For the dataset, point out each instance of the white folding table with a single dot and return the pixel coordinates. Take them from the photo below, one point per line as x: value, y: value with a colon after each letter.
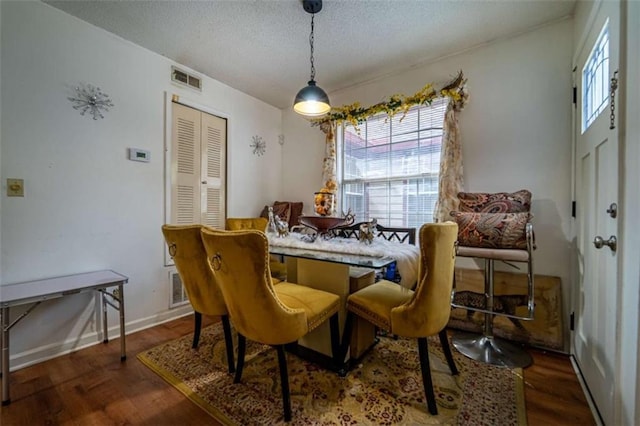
x: 35, y: 292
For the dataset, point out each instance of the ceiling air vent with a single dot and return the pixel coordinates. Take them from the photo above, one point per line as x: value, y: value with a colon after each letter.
x: 186, y: 79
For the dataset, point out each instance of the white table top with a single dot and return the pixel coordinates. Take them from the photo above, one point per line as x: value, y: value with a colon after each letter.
x: 50, y: 288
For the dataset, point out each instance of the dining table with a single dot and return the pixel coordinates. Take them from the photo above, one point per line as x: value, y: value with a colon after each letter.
x: 325, y: 264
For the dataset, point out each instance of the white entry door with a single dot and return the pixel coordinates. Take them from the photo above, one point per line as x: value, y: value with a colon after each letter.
x: 595, y: 338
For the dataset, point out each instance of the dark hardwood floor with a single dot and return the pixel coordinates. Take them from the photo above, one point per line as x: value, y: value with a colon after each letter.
x: 92, y: 387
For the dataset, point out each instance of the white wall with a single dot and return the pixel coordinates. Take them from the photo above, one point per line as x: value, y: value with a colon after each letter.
x: 303, y: 151
x: 516, y: 131
x: 86, y: 207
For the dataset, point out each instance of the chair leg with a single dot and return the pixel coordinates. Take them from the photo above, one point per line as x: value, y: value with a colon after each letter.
x: 423, y: 352
x: 335, y: 337
x: 242, y: 343
x: 346, y: 336
x: 284, y: 381
x: 228, y: 341
x: 196, y: 331
x: 444, y: 342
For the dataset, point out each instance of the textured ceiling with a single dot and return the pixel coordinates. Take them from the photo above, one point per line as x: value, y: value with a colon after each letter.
x: 261, y: 47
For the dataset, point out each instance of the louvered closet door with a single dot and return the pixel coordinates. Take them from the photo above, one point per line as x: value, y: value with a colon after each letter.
x: 198, y: 167
x: 185, y: 165
x: 214, y: 135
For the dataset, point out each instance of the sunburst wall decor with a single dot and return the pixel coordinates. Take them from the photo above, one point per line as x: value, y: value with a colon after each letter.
x: 259, y: 145
x: 91, y: 99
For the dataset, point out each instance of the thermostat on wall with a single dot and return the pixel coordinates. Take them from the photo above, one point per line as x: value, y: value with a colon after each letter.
x: 136, y: 154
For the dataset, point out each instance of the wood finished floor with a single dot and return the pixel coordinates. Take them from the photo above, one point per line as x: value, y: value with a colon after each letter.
x: 92, y: 387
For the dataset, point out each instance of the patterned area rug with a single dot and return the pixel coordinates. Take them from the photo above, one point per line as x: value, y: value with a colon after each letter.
x: 385, y: 389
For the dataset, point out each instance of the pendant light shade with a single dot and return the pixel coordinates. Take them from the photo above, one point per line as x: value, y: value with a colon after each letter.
x: 312, y: 101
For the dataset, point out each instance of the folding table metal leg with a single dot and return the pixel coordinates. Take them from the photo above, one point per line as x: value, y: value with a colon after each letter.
x: 117, y: 296
x: 123, y: 353
x: 105, y: 328
x: 5, y: 356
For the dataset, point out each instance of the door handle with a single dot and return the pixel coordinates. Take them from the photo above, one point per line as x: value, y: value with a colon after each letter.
x: 600, y: 242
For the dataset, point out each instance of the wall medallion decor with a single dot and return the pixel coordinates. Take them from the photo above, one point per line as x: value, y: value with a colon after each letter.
x: 259, y: 145
x: 91, y: 99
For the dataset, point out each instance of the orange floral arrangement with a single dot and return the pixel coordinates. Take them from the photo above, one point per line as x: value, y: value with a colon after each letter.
x: 324, y: 202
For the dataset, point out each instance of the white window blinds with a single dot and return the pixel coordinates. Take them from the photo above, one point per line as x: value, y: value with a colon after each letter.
x: 390, y: 166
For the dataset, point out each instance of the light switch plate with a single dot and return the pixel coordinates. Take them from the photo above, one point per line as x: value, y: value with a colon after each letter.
x: 15, y: 188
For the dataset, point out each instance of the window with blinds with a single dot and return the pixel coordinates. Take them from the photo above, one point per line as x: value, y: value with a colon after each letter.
x: 389, y: 166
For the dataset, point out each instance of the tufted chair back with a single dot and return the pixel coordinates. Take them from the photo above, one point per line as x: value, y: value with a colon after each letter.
x: 428, y: 311
x: 239, y: 260
x: 187, y: 251
x: 278, y: 269
x: 260, y: 311
x: 239, y: 223
x: 420, y: 313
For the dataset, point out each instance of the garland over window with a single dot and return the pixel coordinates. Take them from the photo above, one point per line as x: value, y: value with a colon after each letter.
x: 355, y: 114
x: 450, y: 174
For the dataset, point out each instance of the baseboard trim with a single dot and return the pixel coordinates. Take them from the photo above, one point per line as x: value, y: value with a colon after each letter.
x: 585, y: 389
x: 54, y: 350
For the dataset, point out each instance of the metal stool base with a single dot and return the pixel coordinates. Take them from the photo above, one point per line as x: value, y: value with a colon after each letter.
x: 490, y: 350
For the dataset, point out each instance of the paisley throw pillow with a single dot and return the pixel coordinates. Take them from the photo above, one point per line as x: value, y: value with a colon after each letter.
x: 497, y: 202
x: 492, y: 230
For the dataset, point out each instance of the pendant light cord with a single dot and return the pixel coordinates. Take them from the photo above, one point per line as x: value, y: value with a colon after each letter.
x: 313, y: 68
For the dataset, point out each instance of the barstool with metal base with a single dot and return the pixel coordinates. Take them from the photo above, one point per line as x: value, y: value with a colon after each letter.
x: 485, y: 347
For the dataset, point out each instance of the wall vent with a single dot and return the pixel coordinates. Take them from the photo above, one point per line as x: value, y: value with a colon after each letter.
x: 178, y: 295
x: 186, y: 79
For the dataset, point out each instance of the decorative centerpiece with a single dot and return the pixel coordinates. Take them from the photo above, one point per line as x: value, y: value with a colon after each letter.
x: 324, y: 206
x: 367, y: 231
x: 324, y: 202
x: 322, y: 224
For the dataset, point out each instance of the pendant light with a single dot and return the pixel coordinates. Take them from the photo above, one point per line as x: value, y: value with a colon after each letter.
x: 312, y: 101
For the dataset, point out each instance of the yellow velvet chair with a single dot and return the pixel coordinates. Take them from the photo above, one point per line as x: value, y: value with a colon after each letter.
x: 186, y: 249
x: 239, y: 223
x: 272, y: 315
x: 278, y: 269
x: 420, y: 313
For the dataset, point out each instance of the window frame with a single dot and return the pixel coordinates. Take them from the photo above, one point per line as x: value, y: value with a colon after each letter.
x: 594, y: 71
x: 417, y: 185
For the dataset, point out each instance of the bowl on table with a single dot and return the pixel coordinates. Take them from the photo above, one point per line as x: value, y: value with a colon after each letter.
x: 322, y: 224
